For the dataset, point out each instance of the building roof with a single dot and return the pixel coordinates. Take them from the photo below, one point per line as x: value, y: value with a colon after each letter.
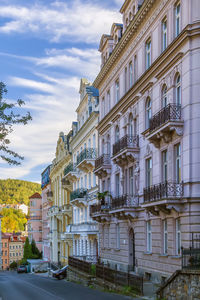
x: 36, y: 195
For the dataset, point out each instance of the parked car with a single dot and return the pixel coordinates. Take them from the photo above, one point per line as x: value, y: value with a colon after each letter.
x: 60, y: 273
x: 21, y: 269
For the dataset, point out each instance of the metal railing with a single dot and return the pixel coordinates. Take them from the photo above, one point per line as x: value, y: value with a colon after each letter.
x: 104, y: 159
x: 172, y: 112
x: 125, y: 201
x: 89, y: 153
x: 88, y: 258
x: 80, y: 264
x: 70, y: 168
x: 79, y: 193
x: 163, y: 190
x: 65, y: 181
x: 191, y: 256
x: 36, y: 217
x: 128, y: 141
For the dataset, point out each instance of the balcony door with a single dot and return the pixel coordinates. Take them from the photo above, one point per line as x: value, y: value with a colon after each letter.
x: 132, y: 250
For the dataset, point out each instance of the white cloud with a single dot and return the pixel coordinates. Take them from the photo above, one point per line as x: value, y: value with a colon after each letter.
x: 77, y: 20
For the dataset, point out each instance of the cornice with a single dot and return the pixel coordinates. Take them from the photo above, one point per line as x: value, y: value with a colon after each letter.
x: 161, y: 64
x: 65, y: 160
x: 91, y: 118
x: 128, y: 34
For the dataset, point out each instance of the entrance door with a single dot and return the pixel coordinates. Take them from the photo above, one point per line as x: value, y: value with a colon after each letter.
x: 132, y: 250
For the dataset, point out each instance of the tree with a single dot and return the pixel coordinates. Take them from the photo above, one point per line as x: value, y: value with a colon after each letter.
x: 13, y: 265
x: 27, y: 249
x: 35, y: 251
x: 13, y: 220
x: 9, y: 116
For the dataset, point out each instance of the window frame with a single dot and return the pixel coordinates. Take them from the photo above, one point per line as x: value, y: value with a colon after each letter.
x: 164, y: 33
x: 165, y: 237
x: 178, y: 236
x: 148, y: 58
x: 177, y: 17
x: 149, y: 236
x: 117, y: 91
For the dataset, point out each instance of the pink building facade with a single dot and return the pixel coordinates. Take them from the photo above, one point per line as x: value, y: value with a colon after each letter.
x: 35, y: 220
x: 46, y: 204
x: 149, y: 137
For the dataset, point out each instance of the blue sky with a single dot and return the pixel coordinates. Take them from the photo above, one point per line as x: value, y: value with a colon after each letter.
x: 46, y: 47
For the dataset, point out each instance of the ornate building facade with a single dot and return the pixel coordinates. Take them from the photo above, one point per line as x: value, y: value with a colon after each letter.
x: 35, y: 220
x: 60, y: 214
x: 149, y: 137
x: 79, y: 174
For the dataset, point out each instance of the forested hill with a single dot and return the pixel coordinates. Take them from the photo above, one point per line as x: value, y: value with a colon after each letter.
x: 13, y: 191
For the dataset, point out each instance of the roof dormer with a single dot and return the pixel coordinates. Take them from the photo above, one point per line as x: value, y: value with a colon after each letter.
x: 116, y: 33
x: 105, y: 47
x: 129, y: 10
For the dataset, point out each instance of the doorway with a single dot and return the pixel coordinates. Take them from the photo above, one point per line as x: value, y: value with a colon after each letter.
x: 132, y: 250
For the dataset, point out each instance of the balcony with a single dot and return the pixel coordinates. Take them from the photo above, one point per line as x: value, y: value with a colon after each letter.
x: 86, y: 227
x: 67, y: 210
x: 102, y: 166
x: 71, y: 173
x: 163, y: 197
x: 67, y: 185
x: 164, y: 124
x: 126, y: 150
x: 54, y: 211
x: 86, y: 160
x: 78, y: 197
x: 50, y: 196
x: 100, y: 213
x: 124, y: 207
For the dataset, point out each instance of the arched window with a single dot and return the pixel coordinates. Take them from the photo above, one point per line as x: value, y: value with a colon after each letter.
x: 178, y: 89
x: 130, y: 125
x: 164, y: 96
x: 126, y: 22
x: 102, y: 147
x: 108, y: 145
x: 116, y: 134
x: 148, y: 112
x: 130, y: 17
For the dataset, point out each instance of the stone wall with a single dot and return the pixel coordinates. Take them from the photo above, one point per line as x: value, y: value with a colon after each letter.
x: 183, y: 285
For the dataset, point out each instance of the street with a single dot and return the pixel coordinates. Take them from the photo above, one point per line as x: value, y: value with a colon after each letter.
x: 15, y: 286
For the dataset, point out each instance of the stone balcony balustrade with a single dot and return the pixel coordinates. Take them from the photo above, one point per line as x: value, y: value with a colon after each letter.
x: 164, y: 124
x: 100, y: 211
x: 67, y: 184
x: 86, y: 159
x: 124, y: 207
x: 79, y: 197
x: 163, y: 197
x: 54, y: 211
x: 126, y: 150
x: 71, y: 172
x: 67, y: 210
x: 50, y: 196
x: 86, y: 227
x: 102, y: 165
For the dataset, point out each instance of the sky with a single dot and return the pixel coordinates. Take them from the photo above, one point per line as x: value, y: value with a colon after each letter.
x: 46, y: 47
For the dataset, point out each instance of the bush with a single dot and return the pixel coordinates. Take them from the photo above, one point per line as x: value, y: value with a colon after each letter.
x: 93, y: 270
x: 13, y: 265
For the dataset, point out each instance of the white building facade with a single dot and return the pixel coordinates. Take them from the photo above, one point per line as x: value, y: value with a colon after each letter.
x: 84, y: 145
x: 149, y: 138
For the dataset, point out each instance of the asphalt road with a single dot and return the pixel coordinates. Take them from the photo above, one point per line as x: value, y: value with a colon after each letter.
x: 15, y: 286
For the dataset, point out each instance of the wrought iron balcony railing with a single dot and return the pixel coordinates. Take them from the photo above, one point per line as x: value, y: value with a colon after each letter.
x: 128, y: 141
x: 70, y: 168
x: 172, y: 112
x: 89, y: 153
x: 163, y: 190
x: 104, y: 159
x: 79, y: 193
x: 125, y: 201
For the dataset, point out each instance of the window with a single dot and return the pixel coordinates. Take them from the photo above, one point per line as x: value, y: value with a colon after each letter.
x: 5, y: 261
x: 117, y: 90
x: 116, y: 134
x: 178, y: 90
x: 164, y: 34
x: 117, y: 182
x: 165, y: 237
x: 177, y: 19
x: 164, y: 96
x: 103, y: 107
x: 130, y: 74
x: 89, y: 181
x: 148, y: 112
x: 108, y: 236
x: 164, y: 165
x: 94, y: 180
x: 148, y: 54
x: 108, y: 145
x: 125, y: 80
x: 5, y: 245
x: 131, y: 183
x: 149, y: 172
x: 108, y: 101
x: 135, y: 68
x: 94, y: 141
x: 130, y: 125
x: 5, y: 252
x: 149, y: 237
x: 178, y: 237
x: 117, y: 236
x: 178, y: 163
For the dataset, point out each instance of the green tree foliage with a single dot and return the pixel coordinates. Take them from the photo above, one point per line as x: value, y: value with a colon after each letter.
x: 35, y: 251
x: 13, y: 220
x: 14, y: 191
x: 13, y: 265
x: 9, y: 116
x: 27, y: 249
